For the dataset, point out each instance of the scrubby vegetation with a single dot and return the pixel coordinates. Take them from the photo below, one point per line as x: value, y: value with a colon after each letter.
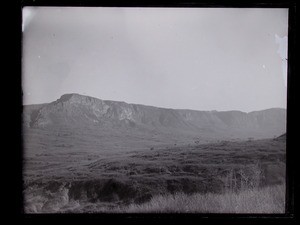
x: 221, y: 177
x: 264, y: 200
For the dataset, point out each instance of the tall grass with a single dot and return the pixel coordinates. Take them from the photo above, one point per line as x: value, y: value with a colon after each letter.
x: 243, y: 193
x: 264, y: 200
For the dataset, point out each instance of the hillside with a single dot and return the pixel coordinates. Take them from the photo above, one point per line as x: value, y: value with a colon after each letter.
x: 83, y: 154
x: 74, y: 110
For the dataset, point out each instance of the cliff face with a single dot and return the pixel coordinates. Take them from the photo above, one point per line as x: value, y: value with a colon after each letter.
x: 84, y: 111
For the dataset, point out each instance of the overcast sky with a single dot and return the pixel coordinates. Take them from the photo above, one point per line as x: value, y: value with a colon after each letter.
x: 192, y: 58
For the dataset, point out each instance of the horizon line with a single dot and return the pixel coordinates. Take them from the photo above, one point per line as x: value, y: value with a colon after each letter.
x: 212, y: 110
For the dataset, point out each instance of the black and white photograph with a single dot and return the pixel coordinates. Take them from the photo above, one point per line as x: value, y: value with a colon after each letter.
x: 154, y: 110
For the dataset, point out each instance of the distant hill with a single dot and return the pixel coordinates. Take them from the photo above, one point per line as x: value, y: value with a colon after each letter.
x: 281, y: 137
x: 78, y: 111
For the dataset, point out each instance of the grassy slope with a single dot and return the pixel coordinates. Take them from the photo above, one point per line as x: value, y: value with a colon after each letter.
x: 99, y: 168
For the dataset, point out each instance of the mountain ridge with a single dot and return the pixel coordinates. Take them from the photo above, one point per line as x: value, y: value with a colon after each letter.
x: 70, y: 95
x: 80, y: 110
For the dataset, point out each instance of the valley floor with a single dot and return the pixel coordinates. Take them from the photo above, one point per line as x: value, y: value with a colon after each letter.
x: 224, y: 176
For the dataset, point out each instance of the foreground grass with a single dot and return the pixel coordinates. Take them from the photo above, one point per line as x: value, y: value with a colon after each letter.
x: 66, y: 179
x: 266, y: 200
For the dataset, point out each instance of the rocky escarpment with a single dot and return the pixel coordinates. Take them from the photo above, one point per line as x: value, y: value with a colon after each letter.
x: 78, y: 110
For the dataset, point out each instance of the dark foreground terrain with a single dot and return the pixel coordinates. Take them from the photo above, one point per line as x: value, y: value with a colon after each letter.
x: 221, y: 176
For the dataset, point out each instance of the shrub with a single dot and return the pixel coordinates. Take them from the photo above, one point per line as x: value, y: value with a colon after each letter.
x: 239, y: 179
x: 264, y: 200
